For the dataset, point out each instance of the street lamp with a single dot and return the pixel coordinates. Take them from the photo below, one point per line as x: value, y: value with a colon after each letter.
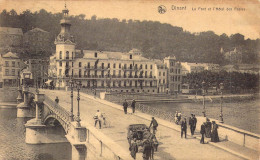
x: 78, y: 99
x: 203, y: 94
x: 221, y: 111
x: 71, y: 96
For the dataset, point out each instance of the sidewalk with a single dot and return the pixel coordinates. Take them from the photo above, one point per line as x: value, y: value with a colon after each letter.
x: 171, y: 145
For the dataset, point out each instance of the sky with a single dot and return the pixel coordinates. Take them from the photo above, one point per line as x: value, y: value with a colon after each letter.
x: 238, y: 16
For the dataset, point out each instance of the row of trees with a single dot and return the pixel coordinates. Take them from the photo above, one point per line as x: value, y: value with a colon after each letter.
x: 232, y: 81
x: 155, y: 39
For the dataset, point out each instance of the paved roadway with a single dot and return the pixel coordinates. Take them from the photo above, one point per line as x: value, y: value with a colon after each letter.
x: 171, y: 145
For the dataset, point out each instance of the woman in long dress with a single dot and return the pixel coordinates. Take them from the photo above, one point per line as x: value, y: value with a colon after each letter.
x: 208, y: 128
x: 214, y: 136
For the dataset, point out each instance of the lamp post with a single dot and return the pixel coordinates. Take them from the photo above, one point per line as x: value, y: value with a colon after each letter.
x: 71, y: 96
x: 203, y: 94
x: 78, y: 99
x: 221, y: 110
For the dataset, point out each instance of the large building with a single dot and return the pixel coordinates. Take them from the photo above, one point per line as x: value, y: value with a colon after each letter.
x: 117, y: 71
x: 198, y: 67
x: 10, y: 38
x: 39, y: 70
x: 174, y: 75
x: 37, y: 41
x: 10, y: 67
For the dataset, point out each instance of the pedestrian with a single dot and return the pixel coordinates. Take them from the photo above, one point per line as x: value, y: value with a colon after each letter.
x: 147, y: 150
x: 134, y: 148
x: 202, y: 132
x: 154, y: 124
x: 97, y: 118
x: 208, y: 128
x: 57, y: 99
x: 133, y: 106
x: 125, y: 105
x: 214, y: 135
x: 194, y: 123
x: 184, y: 128
x: 176, y: 117
x: 191, y: 124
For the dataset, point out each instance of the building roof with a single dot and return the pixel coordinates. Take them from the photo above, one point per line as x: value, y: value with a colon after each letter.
x: 10, y: 55
x: 37, y: 30
x: 9, y: 30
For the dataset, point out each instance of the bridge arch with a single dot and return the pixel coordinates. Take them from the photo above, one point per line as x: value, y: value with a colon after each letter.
x: 56, y: 121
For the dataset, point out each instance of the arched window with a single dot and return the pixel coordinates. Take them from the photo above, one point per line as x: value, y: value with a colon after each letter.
x: 60, y: 54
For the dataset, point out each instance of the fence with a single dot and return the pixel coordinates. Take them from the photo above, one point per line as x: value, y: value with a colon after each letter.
x: 156, y: 112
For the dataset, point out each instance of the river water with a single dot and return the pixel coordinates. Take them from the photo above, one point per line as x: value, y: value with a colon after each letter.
x: 241, y: 114
x: 13, y: 146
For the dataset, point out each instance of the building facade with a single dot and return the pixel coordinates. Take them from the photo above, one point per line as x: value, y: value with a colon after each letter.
x: 37, y: 41
x: 104, y: 70
x: 11, y: 66
x: 39, y: 70
x: 174, y: 75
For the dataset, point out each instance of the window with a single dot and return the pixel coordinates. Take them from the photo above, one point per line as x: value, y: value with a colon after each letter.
x: 72, y: 72
x: 151, y: 67
x: 102, y: 65
x: 163, y: 73
x: 72, y: 64
x: 80, y: 73
x: 60, y: 72
x: 146, y: 66
x: 60, y: 54
x: 96, y: 54
x: 13, y: 72
x: 60, y: 64
x: 119, y: 73
x: 114, y: 66
x: 6, y: 63
x: 119, y: 65
x: 88, y: 64
x: 164, y: 81
x: 151, y: 74
x: 7, y: 72
x: 79, y: 64
x: 159, y: 73
x: 72, y: 55
x: 141, y: 66
x: 114, y: 72
x: 108, y: 65
x: 125, y: 66
x: 131, y: 56
x: 159, y: 81
x: 18, y: 64
x: 131, y: 66
x: 151, y: 83
x: 67, y: 54
x: 13, y: 63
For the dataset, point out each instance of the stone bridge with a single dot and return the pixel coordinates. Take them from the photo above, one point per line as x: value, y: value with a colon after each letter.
x: 52, y: 123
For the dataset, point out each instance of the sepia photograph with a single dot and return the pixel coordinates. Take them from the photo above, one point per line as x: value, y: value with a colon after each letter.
x: 129, y: 79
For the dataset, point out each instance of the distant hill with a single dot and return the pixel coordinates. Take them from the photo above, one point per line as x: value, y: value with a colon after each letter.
x: 155, y: 39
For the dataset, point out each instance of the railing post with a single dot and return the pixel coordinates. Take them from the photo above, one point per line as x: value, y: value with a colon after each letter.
x: 244, y: 142
x: 101, y: 144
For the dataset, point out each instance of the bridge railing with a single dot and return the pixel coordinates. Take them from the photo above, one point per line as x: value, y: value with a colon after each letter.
x: 156, y: 112
x: 57, y: 109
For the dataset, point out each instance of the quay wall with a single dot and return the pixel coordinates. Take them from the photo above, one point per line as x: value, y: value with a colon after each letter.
x: 8, y: 94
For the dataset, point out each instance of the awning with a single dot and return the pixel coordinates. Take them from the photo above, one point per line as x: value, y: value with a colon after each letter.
x: 48, y: 82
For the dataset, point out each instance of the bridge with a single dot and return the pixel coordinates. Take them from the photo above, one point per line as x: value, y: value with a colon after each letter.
x: 110, y: 143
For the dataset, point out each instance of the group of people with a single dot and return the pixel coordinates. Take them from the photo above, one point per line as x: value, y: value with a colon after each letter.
x: 99, y: 117
x: 192, y: 123
x: 209, y: 130
x: 125, y: 106
x: 177, y: 117
x: 147, y: 140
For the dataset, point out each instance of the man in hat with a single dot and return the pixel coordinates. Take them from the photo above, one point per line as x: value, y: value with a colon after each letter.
x: 191, y: 123
x: 133, y: 106
x: 125, y: 105
x: 97, y: 118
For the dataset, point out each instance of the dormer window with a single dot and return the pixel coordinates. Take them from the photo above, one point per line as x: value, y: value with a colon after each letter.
x: 131, y: 56
x: 95, y: 54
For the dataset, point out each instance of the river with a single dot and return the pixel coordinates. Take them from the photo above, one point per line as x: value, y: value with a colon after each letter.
x: 243, y: 114
x: 12, y: 141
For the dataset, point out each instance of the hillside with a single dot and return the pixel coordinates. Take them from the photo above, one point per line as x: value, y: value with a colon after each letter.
x: 155, y: 39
